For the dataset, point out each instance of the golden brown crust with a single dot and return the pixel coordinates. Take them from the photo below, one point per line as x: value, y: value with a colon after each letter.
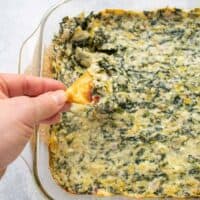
x: 47, y: 66
x: 168, y: 12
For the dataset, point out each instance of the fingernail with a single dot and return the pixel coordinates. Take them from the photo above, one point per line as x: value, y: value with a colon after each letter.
x: 66, y: 107
x: 59, y: 97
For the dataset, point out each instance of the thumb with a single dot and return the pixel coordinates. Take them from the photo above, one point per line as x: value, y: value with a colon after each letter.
x: 33, y: 110
x: 19, y: 115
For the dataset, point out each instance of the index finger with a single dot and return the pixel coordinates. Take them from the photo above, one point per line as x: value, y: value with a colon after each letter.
x: 17, y: 85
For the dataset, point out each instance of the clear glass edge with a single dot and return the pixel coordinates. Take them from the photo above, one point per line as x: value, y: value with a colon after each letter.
x: 35, y: 138
x: 40, y: 25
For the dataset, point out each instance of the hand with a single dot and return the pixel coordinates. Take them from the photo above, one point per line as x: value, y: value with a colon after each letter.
x: 26, y: 101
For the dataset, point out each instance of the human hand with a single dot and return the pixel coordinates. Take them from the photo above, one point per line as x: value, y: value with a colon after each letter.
x: 26, y: 101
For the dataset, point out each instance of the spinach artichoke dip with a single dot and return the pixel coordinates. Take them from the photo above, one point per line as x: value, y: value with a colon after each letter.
x: 140, y: 137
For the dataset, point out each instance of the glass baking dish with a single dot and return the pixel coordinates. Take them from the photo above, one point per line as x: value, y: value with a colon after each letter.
x: 31, y: 61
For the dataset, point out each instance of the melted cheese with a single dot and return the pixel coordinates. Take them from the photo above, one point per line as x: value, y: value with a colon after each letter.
x: 141, y: 139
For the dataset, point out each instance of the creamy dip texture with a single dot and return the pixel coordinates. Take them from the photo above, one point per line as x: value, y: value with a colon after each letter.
x: 142, y: 137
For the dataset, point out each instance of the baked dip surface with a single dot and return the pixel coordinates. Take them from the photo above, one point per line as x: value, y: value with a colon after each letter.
x: 142, y: 136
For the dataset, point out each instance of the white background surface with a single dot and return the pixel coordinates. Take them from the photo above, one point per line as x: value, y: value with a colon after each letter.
x: 18, y: 19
